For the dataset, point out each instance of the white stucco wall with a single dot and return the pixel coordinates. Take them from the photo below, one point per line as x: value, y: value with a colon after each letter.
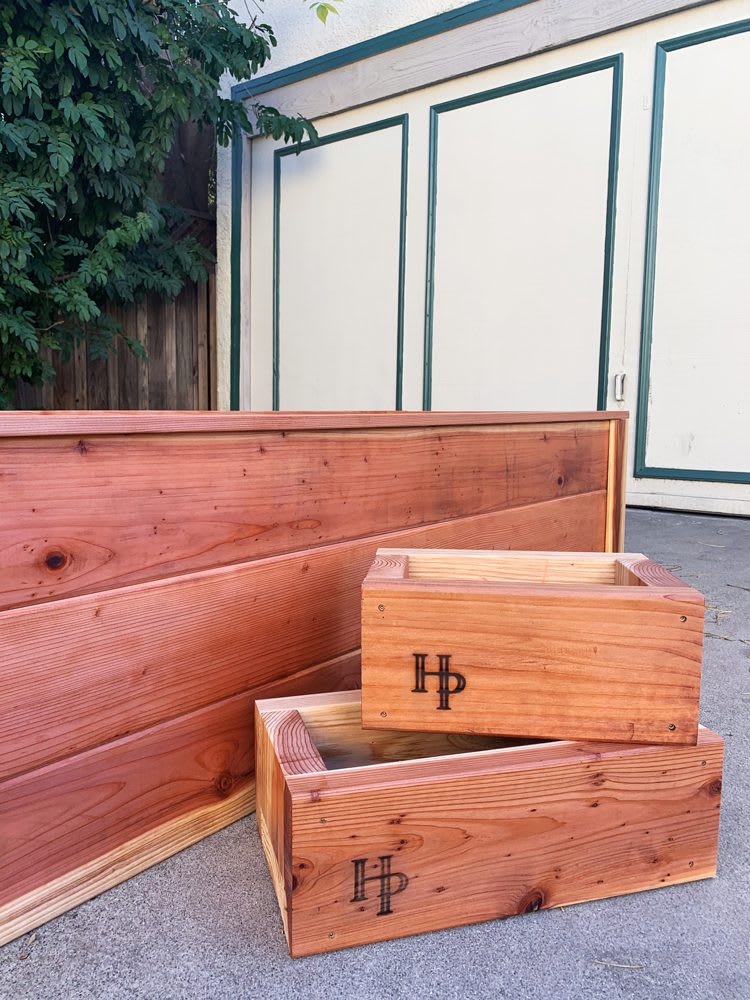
x: 302, y: 36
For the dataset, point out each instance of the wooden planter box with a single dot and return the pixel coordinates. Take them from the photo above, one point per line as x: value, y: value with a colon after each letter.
x: 366, y: 841
x: 551, y: 645
x: 161, y: 571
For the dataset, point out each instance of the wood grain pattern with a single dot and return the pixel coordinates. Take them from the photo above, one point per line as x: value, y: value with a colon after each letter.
x: 130, y: 509
x: 126, y: 696
x: 22, y: 914
x: 619, y: 484
x: 62, y: 423
x: 491, y: 834
x: 83, y: 824
x: 85, y: 670
x: 122, y: 382
x: 542, y: 645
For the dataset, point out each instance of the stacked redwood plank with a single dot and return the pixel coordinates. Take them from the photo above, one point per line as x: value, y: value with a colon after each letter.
x: 162, y: 571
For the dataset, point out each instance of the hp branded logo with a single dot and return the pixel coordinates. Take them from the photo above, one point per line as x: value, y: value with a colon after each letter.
x: 444, y: 675
x: 390, y: 883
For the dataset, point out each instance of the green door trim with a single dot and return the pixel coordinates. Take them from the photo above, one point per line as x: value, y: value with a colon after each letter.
x: 614, y: 63
x: 640, y: 469
x: 398, y: 121
x: 235, y: 316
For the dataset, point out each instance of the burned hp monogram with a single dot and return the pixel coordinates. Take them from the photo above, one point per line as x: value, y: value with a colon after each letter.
x: 385, y: 877
x: 443, y: 674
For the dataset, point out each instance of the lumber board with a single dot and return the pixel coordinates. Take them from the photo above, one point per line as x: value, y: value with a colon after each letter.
x: 81, y: 825
x: 124, y: 509
x: 60, y: 423
x: 485, y: 835
x: 84, y: 670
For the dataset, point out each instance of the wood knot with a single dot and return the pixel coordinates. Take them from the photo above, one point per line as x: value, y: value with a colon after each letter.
x: 532, y: 902
x: 714, y: 787
x: 55, y: 560
x: 224, y: 783
x: 82, y: 447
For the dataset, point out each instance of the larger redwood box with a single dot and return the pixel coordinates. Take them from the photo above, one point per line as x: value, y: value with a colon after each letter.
x: 179, y: 565
x: 580, y: 645
x: 372, y: 834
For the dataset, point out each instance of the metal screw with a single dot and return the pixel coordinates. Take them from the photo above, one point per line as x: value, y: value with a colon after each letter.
x: 703, y: 763
x: 671, y: 727
x: 322, y: 820
x: 381, y: 607
x: 331, y: 934
x: 683, y: 618
x: 383, y: 714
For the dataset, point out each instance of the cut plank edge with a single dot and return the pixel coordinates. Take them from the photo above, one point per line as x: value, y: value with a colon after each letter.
x: 121, y: 863
x: 62, y: 423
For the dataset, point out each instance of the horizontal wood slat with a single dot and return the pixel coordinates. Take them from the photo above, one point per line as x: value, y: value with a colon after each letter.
x: 83, y: 824
x: 119, y: 510
x: 59, y: 423
x: 84, y: 670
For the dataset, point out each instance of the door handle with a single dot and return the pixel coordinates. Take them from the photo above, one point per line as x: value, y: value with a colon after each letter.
x: 619, y: 387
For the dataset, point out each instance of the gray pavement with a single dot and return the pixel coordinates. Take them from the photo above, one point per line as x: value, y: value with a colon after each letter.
x: 205, y: 924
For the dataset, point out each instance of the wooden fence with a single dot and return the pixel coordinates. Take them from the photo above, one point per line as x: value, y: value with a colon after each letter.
x: 180, y: 374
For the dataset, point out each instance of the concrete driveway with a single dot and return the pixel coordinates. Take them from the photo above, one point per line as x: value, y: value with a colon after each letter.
x: 205, y: 924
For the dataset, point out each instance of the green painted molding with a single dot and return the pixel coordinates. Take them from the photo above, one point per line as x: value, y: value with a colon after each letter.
x: 374, y: 46
x: 641, y: 470
x: 398, y: 121
x: 613, y: 63
x: 235, y: 326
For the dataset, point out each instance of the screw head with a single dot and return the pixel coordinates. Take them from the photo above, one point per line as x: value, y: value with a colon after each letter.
x: 383, y: 715
x: 331, y: 934
x: 671, y: 727
x: 381, y: 607
x: 322, y: 819
x: 683, y: 618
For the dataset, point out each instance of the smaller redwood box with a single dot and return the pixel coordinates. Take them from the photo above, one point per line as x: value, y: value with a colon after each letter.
x: 372, y: 834
x: 534, y: 644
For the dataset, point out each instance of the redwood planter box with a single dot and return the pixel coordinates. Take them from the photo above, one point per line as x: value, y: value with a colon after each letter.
x: 366, y: 841
x: 536, y: 644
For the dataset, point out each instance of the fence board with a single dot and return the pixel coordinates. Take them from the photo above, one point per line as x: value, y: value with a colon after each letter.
x: 179, y: 338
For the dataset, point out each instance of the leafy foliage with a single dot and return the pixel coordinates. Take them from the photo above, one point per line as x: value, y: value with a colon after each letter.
x: 322, y: 10
x: 91, y: 93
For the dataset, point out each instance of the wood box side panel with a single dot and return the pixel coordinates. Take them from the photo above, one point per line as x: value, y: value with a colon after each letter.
x: 467, y: 848
x: 75, y: 828
x: 128, y: 508
x: 269, y: 811
x: 138, y: 655
x: 617, y: 664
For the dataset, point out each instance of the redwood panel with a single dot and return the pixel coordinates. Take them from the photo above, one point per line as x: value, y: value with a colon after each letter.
x: 85, y: 670
x: 87, y: 513
x: 103, y: 804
